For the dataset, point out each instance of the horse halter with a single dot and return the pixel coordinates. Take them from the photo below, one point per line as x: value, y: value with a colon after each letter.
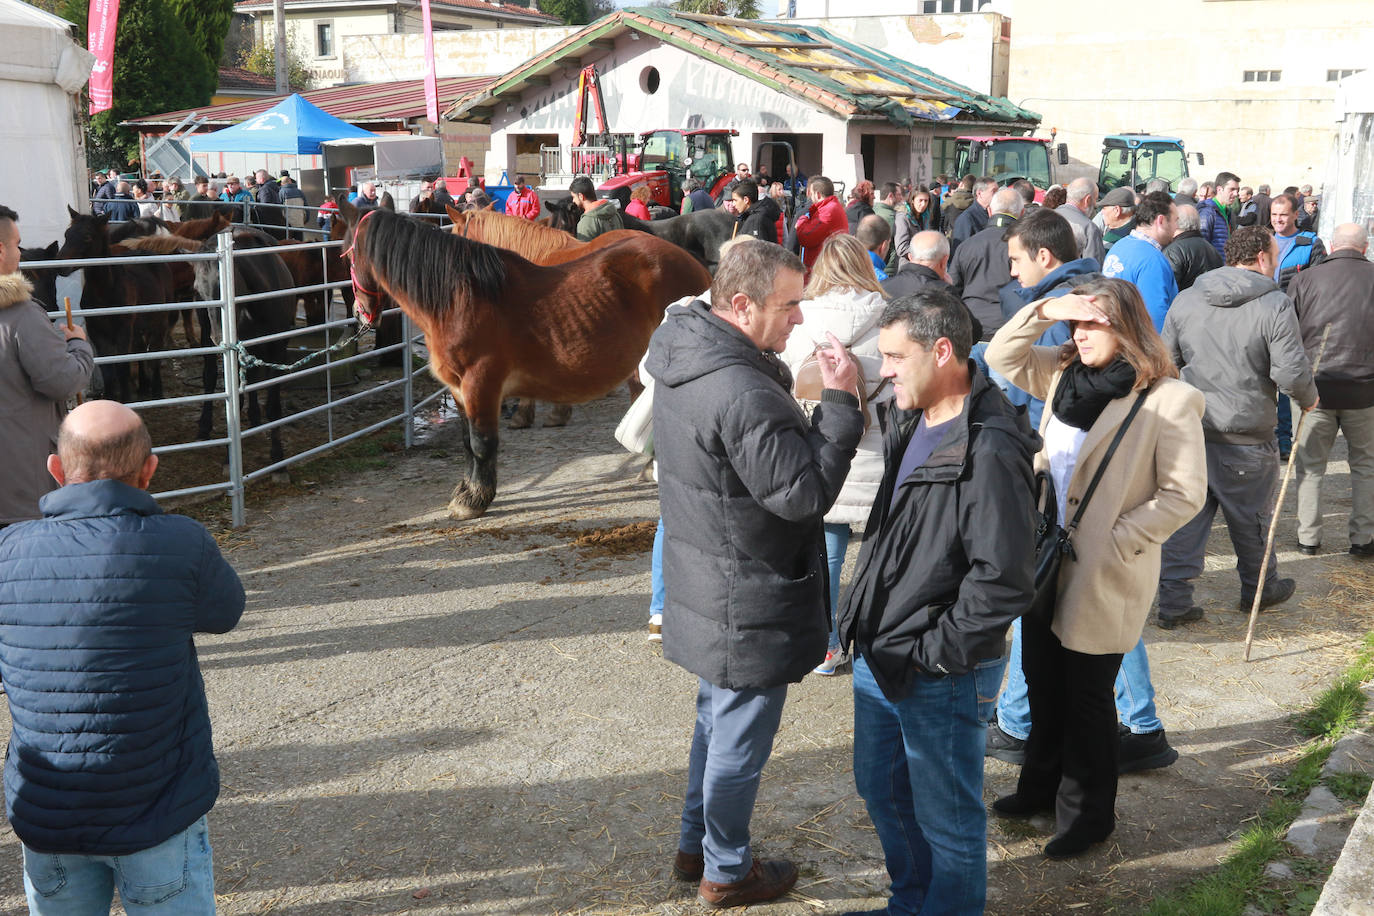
x: 352, y: 261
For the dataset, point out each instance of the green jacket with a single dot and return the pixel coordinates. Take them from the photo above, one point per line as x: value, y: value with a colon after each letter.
x: 602, y: 218
x: 889, y: 216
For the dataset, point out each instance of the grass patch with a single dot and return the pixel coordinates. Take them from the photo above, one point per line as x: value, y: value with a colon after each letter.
x: 1240, y: 879
x: 1351, y: 787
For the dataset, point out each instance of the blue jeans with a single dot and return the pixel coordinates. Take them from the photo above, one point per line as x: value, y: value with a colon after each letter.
x: 175, y: 877
x: 1135, y: 694
x: 656, y: 572
x: 730, y: 744
x: 918, y: 765
x: 1284, y: 430
x: 836, y: 543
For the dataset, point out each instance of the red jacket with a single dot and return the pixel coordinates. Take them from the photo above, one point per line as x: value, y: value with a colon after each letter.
x: 638, y: 210
x: 818, y: 223
x: 524, y: 205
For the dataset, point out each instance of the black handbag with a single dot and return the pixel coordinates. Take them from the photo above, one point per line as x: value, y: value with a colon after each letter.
x: 1052, y: 542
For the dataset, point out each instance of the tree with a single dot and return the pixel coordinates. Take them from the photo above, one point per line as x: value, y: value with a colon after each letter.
x: 572, y: 12
x: 157, y: 67
x: 207, y: 21
x: 262, y: 60
x: 739, y: 9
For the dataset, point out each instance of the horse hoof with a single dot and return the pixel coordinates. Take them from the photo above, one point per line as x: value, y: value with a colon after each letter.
x: 462, y: 511
x: 558, y: 416
x: 520, y: 421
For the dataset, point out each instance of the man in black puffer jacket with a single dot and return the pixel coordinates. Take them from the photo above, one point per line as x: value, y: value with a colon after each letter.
x: 1189, y: 254
x: 744, y: 482
x: 946, y: 566
x: 110, y: 754
x: 755, y: 217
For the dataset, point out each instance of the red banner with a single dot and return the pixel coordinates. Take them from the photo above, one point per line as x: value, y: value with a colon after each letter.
x: 431, y: 83
x: 101, y: 20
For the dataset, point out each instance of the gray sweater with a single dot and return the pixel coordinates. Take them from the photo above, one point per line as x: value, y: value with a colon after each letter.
x: 1235, y: 338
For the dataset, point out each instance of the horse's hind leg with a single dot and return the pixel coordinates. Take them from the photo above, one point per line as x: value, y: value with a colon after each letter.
x: 523, y: 418
x: 558, y: 415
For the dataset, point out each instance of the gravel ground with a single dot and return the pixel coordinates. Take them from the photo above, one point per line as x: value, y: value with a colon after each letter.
x: 423, y: 716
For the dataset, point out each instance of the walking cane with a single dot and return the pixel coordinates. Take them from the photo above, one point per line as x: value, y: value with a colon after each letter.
x: 67, y: 301
x: 1274, y: 521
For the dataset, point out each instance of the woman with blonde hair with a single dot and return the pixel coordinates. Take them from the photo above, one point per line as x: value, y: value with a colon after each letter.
x: 1112, y: 384
x: 843, y: 297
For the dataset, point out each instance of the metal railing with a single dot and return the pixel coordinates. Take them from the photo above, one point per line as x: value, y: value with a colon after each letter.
x: 558, y: 166
x: 235, y: 358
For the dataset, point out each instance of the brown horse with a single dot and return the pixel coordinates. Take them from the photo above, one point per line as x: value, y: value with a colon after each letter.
x: 200, y: 229
x: 497, y: 325
x: 544, y: 245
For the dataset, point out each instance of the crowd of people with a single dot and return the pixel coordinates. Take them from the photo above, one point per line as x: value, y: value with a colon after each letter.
x: 1114, y: 369
x: 1010, y: 377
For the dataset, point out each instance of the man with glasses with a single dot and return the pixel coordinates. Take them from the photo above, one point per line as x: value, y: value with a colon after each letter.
x: 741, y: 174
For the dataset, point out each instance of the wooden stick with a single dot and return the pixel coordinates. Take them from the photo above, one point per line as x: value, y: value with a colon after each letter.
x: 67, y: 301
x: 1278, y: 504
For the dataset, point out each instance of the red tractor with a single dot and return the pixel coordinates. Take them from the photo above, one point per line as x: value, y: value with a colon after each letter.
x: 667, y: 158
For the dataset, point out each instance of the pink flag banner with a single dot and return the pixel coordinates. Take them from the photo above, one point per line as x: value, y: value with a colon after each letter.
x: 101, y: 20
x: 431, y: 83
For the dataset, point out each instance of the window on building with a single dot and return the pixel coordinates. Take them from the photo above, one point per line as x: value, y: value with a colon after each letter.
x: 930, y: 7
x: 324, y: 39
x: 1262, y: 76
x: 1333, y: 76
x: 943, y: 156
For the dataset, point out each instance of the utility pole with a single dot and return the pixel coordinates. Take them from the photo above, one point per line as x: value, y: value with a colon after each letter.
x: 279, y: 21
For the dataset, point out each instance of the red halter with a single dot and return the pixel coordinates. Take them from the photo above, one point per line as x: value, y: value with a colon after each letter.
x: 348, y: 253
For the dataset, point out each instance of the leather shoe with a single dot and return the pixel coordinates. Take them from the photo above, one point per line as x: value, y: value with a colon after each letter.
x: 1283, y: 590
x: 1308, y: 550
x: 1170, y: 621
x: 768, y: 879
x: 688, y: 866
x: 1071, y: 844
x: 1017, y: 806
x: 1362, y: 550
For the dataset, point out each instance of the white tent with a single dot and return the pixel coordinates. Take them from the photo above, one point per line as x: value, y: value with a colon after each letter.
x: 1348, y: 191
x: 41, y: 143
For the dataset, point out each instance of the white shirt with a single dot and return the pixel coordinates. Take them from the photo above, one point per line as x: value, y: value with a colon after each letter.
x: 1062, y: 443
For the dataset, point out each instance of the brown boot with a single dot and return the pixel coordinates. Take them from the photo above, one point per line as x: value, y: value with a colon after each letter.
x: 688, y: 867
x: 767, y: 880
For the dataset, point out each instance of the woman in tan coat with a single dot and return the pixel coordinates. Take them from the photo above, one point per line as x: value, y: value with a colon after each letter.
x: 1154, y: 483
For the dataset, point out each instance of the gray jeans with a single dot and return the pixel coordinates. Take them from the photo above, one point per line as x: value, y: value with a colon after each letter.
x: 1314, y: 445
x: 1241, y: 481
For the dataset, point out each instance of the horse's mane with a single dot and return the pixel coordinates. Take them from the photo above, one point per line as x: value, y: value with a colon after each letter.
x: 200, y: 229
x: 531, y: 240
x: 428, y: 263
x: 161, y: 244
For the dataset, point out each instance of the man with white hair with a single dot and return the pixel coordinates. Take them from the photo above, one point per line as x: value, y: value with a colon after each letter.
x: 1338, y: 292
x: 1189, y: 254
x: 1187, y: 193
x: 975, y: 218
x: 979, y: 268
x: 926, y: 265
x: 1082, y: 200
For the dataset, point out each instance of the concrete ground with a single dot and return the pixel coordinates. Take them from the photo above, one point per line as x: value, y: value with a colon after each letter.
x: 423, y: 716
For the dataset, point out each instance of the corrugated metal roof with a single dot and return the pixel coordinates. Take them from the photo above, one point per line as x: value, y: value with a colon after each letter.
x: 512, y: 10
x: 851, y: 80
x: 368, y: 103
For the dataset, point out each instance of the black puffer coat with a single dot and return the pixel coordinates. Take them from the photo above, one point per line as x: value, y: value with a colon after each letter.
x: 744, y: 481
x: 1190, y: 255
x: 947, y: 568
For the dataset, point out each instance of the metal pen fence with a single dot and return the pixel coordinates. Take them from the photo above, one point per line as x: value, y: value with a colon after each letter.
x: 234, y: 359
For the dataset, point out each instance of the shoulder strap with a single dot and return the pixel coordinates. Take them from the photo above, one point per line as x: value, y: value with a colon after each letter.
x: 1106, y: 459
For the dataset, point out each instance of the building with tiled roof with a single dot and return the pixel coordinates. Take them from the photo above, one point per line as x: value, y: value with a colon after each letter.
x: 849, y: 111
x: 238, y: 85
x: 318, y: 28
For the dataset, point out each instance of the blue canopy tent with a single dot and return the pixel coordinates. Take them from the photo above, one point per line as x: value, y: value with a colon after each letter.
x: 293, y: 125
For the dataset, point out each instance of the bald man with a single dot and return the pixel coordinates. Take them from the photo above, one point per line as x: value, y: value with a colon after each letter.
x: 110, y: 772
x: 1338, y: 292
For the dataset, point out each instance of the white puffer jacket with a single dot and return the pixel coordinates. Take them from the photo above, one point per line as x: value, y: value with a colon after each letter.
x: 852, y: 316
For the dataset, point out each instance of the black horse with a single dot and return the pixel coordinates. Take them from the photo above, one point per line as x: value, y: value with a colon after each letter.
x: 44, y: 281
x: 700, y: 233
x: 259, y: 273
x: 112, y: 286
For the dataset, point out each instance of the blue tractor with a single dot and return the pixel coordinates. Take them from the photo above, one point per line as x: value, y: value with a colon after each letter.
x: 1132, y: 160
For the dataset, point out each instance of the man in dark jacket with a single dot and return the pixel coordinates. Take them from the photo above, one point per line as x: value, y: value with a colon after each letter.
x: 1189, y: 254
x: 755, y: 216
x: 105, y: 192
x: 744, y: 482
x: 1234, y: 337
x: 269, y: 213
x: 946, y: 566
x: 110, y: 754
x: 1339, y: 292
x: 121, y: 206
x: 925, y: 265
x: 978, y: 268
x: 1214, y: 213
x: 975, y: 218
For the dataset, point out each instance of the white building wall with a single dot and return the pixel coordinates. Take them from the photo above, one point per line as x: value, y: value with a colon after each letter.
x: 480, y: 52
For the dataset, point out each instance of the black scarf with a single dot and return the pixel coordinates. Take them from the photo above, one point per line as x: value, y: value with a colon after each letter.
x: 1084, y: 392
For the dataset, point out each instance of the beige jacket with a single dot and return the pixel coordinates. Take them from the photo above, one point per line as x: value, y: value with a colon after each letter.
x: 1155, y: 483
x: 38, y: 372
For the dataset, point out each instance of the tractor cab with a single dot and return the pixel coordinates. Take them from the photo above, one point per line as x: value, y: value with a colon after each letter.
x: 1133, y: 160
x: 1006, y: 159
x: 667, y: 158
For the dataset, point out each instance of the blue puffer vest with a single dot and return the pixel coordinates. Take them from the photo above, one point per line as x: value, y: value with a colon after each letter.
x: 110, y: 750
